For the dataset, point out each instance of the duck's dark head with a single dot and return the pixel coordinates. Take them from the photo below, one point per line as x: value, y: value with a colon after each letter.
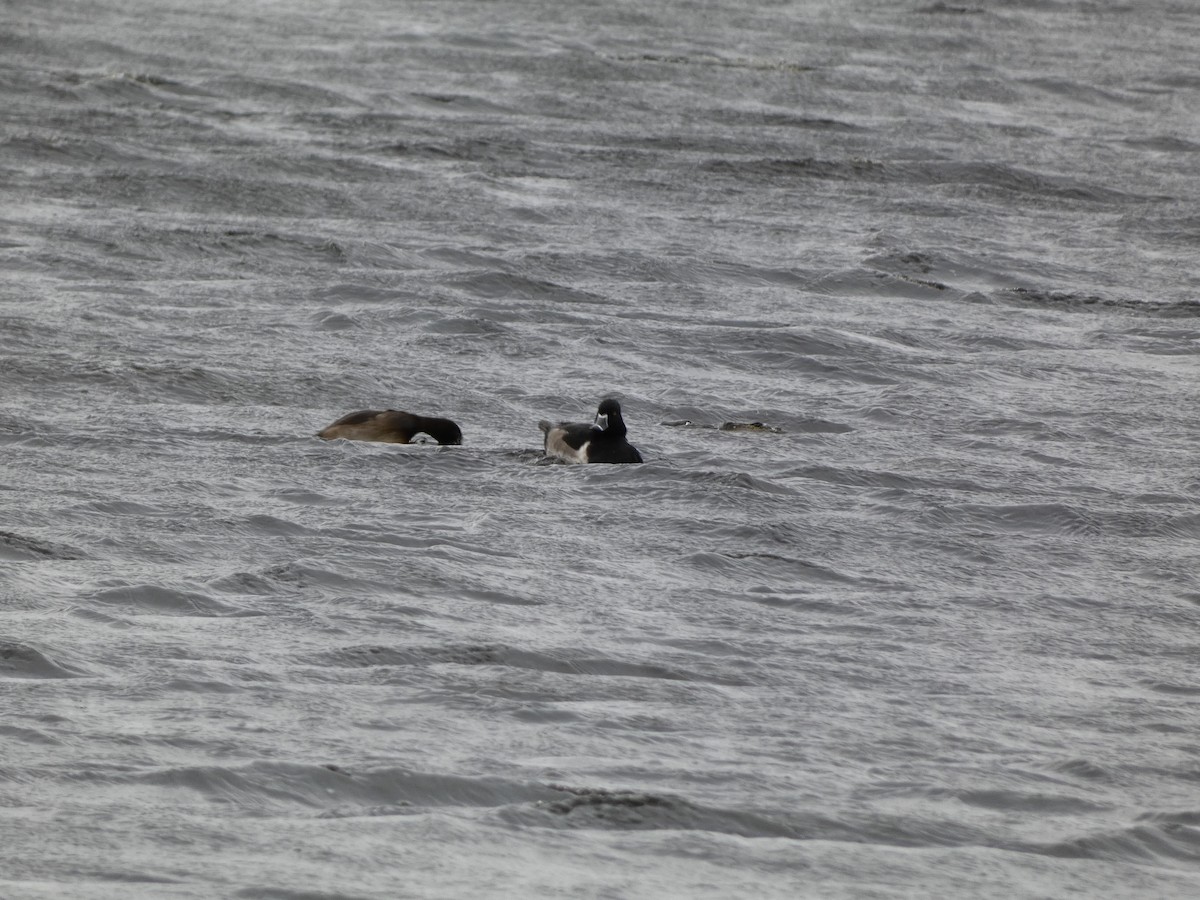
x: 444, y: 431
x: 608, y: 418
x: 450, y: 433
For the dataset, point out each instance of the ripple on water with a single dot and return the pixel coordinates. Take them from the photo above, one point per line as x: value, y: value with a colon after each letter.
x: 1069, y: 520
x: 562, y: 661
x: 333, y: 790
x: 16, y: 547
x: 670, y: 483
x: 1168, y: 840
x: 19, y: 660
x: 158, y: 600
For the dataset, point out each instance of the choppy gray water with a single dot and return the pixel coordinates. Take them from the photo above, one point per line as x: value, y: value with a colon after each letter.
x: 930, y: 633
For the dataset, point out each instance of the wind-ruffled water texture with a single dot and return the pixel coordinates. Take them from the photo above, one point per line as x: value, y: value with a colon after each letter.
x: 899, y: 304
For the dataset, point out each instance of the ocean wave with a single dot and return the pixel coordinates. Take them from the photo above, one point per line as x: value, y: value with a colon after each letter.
x: 764, y: 565
x: 663, y: 481
x: 559, y: 662
x: 157, y: 600
x: 997, y: 178
x: 268, y: 786
x: 1162, y: 843
x: 59, y: 149
x: 625, y: 810
x: 495, y: 285
x: 1070, y: 520
x: 134, y: 88
x: 20, y: 660
x: 14, y: 547
x: 1181, y: 309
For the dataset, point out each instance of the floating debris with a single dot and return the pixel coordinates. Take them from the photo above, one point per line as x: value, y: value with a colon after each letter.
x: 762, y: 427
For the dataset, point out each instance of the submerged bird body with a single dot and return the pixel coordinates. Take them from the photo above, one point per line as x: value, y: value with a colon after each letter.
x: 600, y: 442
x: 391, y: 426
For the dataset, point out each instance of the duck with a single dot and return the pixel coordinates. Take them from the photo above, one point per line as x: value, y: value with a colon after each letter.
x: 602, y: 441
x: 392, y: 426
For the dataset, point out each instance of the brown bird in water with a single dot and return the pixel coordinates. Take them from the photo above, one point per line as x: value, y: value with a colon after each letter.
x: 391, y: 426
